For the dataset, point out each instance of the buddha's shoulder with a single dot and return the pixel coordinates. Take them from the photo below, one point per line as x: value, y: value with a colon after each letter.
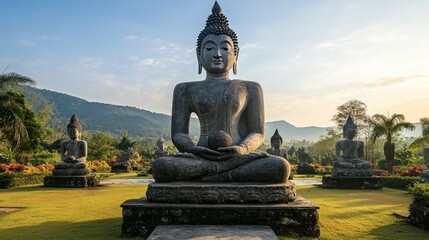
x: 251, y: 85
x: 184, y: 86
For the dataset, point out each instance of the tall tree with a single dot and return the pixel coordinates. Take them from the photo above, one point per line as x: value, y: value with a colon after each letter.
x: 354, y: 108
x: 388, y: 126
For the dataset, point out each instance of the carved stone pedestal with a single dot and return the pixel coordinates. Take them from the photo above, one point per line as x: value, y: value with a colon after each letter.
x: 372, y: 182
x: 235, y: 193
x: 121, y: 169
x: 71, y: 181
x: 297, y: 218
x: 305, y: 170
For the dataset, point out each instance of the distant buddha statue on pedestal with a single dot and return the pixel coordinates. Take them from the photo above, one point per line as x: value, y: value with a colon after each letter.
x: 72, y: 171
x: 160, y: 152
x: 350, y: 154
x: 231, y: 115
x: 73, y: 152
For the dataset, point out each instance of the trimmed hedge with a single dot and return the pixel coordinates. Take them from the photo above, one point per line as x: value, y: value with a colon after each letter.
x: 9, y: 180
x: 419, y: 209
x: 399, y: 182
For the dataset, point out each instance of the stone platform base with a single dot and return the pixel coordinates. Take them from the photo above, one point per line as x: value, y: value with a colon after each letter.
x: 206, y: 232
x: 121, y: 169
x: 373, y: 182
x: 236, y: 193
x: 71, y: 181
x: 298, y: 218
x: 305, y: 170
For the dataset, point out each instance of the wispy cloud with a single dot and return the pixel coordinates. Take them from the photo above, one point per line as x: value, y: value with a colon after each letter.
x: 133, y: 37
x: 26, y: 43
x: 91, y: 62
x: 390, y: 81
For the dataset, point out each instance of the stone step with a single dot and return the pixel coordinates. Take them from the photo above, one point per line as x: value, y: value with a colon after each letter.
x: 209, y: 232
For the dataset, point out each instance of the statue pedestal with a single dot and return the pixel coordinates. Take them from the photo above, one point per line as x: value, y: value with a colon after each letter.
x: 372, y: 182
x: 297, y: 218
x: 121, y: 169
x: 71, y: 181
x: 236, y: 193
x: 305, y: 170
x: 197, y: 203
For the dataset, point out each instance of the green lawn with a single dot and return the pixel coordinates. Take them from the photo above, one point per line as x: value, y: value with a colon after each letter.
x: 95, y: 213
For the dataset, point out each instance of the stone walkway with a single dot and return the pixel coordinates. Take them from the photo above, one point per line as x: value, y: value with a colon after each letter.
x: 146, y: 181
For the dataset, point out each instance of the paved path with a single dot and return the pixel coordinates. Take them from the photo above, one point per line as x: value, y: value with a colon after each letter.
x: 146, y: 181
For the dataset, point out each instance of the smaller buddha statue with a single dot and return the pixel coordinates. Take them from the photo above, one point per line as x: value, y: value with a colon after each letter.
x: 350, y: 154
x: 160, y: 152
x: 124, y: 161
x: 425, y: 173
x: 304, y: 166
x: 276, y: 142
x: 73, y: 152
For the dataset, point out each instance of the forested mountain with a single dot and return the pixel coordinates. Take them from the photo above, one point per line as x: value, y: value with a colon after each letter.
x: 138, y: 122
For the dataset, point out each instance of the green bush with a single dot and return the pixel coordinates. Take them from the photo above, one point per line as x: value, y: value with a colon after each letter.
x: 398, y: 182
x: 381, y: 164
x: 420, y: 191
x: 9, y: 180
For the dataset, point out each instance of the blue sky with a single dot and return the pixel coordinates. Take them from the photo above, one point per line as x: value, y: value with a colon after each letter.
x: 309, y: 56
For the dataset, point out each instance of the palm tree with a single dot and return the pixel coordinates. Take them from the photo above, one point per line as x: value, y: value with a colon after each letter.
x: 12, y: 105
x: 422, y: 141
x: 388, y: 126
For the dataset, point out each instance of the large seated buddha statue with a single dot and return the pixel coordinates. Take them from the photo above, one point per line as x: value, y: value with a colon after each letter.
x: 231, y: 116
x: 350, y: 154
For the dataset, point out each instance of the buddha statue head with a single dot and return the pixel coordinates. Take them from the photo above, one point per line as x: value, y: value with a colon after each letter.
x: 217, y: 44
x: 276, y: 140
x: 74, y: 128
x: 349, y: 129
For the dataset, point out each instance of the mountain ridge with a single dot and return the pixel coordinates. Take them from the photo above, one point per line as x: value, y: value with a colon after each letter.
x: 117, y: 119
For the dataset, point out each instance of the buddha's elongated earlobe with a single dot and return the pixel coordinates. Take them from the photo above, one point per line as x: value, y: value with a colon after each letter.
x: 200, y: 66
x: 234, y: 66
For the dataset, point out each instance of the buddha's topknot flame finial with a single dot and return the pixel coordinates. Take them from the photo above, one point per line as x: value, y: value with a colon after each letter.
x: 216, y: 8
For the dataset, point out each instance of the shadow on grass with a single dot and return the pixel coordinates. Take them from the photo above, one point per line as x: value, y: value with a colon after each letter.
x: 399, y: 230
x: 95, y: 229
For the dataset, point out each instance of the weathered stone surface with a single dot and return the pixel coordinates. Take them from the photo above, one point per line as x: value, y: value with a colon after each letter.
x: 373, y: 182
x: 71, y: 181
x: 419, y: 213
x: 236, y: 193
x: 350, y: 154
x: 211, y: 232
x: 234, y: 108
x: 298, y: 218
x: 71, y: 172
x: 121, y: 168
x: 305, y: 169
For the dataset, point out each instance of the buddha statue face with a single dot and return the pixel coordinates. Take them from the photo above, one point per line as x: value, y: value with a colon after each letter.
x: 350, y: 133
x: 74, y: 133
x: 217, y: 53
x: 276, y: 143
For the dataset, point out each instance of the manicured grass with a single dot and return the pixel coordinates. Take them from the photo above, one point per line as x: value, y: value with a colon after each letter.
x: 307, y: 177
x: 95, y: 213
x: 130, y: 175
